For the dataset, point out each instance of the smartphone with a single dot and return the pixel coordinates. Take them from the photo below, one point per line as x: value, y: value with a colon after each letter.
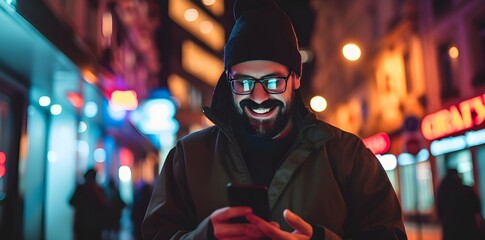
x: 253, y: 196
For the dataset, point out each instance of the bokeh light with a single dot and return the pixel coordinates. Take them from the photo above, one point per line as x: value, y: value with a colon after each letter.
x: 191, y: 14
x: 206, y: 27
x: 90, y: 109
x: 208, y: 2
x: 351, y: 52
x: 318, y: 104
x: 453, y: 52
x: 56, y: 109
x: 44, y: 101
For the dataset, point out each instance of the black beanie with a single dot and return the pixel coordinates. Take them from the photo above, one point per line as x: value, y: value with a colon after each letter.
x: 262, y: 32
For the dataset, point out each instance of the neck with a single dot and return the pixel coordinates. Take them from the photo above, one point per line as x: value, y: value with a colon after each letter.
x: 287, y: 130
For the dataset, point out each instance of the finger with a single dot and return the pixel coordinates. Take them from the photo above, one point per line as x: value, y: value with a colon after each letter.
x: 229, y: 230
x: 266, y: 228
x: 253, y: 232
x: 223, y: 215
x: 275, y: 224
x: 235, y: 238
x: 297, y: 223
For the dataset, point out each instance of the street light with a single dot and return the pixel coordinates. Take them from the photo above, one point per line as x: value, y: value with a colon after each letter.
x: 318, y: 104
x: 351, y: 52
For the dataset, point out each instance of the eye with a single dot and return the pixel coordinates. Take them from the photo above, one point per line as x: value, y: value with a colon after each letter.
x: 273, y: 83
x: 245, y: 84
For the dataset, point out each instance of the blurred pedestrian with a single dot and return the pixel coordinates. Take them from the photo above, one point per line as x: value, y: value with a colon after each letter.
x: 115, y: 209
x: 90, y: 208
x: 459, y: 209
x: 140, y: 205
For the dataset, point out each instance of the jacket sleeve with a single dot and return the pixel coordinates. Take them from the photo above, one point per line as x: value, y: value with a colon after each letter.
x: 170, y: 213
x: 374, y: 211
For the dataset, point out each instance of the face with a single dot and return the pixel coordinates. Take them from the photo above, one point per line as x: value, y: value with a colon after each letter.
x: 265, y: 115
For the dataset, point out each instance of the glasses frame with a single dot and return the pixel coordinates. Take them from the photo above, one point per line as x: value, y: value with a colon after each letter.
x: 260, y: 81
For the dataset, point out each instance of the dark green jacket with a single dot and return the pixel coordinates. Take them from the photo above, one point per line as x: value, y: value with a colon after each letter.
x: 328, y: 177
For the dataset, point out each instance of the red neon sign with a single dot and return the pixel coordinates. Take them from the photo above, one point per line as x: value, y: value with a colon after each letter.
x: 378, y: 143
x: 456, y: 118
x: 126, y: 157
x: 76, y: 99
x: 3, y: 160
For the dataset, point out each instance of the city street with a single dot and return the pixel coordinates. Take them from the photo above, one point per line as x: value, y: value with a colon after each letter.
x: 344, y: 110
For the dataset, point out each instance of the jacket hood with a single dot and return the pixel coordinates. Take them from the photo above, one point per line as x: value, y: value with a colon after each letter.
x: 222, y: 106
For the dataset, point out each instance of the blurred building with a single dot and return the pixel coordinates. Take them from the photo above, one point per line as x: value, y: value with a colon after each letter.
x: 453, y: 37
x: 413, y: 76
x: 192, y: 39
x: 71, y: 74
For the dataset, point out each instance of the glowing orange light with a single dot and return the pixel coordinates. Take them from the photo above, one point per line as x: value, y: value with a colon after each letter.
x: 456, y: 118
x: 378, y: 143
x: 124, y: 100
x: 453, y: 52
x: 89, y: 76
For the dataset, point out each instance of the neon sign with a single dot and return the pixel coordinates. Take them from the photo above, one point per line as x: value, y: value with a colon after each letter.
x: 456, y: 118
x: 378, y: 143
x: 452, y: 144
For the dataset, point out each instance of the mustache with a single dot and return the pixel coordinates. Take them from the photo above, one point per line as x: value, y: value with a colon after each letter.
x: 270, y: 103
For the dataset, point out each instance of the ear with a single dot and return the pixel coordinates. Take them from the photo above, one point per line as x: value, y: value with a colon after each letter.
x: 296, y: 81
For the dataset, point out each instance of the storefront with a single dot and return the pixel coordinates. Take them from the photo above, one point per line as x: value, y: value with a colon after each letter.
x: 12, y: 124
x: 52, y: 128
x: 409, y: 174
x: 457, y: 141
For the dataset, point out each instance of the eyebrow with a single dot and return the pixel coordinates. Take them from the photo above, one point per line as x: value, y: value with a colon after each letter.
x: 275, y: 74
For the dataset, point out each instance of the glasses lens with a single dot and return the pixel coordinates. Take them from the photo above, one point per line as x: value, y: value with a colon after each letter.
x: 242, y: 85
x: 275, y: 85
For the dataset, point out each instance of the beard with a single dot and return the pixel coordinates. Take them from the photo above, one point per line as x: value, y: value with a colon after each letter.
x: 265, y: 129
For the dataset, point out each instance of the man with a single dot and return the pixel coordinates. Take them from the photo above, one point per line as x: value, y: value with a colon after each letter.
x: 323, y: 183
x: 459, y: 209
x: 90, y: 208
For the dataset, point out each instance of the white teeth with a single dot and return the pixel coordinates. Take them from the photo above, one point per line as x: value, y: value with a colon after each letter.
x: 261, y: 110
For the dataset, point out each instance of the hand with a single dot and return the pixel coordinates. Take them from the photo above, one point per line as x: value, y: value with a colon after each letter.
x: 303, y: 230
x: 224, y: 229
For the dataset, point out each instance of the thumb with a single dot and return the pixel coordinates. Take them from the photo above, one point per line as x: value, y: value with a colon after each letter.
x: 297, y: 223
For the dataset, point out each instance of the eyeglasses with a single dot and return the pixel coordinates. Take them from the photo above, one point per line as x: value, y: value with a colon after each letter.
x: 245, y: 85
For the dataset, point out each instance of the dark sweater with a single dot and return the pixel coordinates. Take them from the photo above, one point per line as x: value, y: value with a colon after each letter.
x: 263, y: 157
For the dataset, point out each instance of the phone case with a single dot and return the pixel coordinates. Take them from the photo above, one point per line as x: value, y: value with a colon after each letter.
x: 253, y: 196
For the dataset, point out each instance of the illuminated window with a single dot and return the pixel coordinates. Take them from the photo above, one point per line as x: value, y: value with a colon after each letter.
x: 462, y: 162
x: 201, y: 63
x: 200, y: 24
x: 417, y: 188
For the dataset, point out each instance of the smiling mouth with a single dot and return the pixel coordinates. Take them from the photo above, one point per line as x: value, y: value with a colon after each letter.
x: 261, y: 110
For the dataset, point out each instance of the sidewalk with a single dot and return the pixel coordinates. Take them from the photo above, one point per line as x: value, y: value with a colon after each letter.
x: 426, y: 232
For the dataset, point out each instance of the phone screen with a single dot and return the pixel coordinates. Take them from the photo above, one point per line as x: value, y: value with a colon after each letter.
x: 253, y: 196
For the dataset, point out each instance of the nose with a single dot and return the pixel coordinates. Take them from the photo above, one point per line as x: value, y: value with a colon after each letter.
x: 259, y: 94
